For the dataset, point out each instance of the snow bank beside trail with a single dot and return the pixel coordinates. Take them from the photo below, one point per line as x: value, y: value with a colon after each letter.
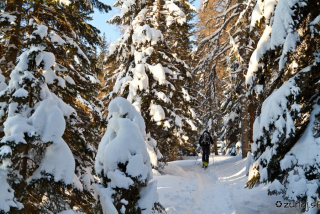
x: 173, y: 169
x: 189, y: 189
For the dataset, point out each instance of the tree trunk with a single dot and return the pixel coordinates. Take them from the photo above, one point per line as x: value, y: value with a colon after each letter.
x: 158, y: 13
x: 215, y: 140
x: 246, y: 114
x: 211, y: 111
x: 244, y: 127
x: 251, y: 112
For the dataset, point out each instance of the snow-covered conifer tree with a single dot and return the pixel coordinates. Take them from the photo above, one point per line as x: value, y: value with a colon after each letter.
x: 149, y: 73
x: 72, y: 78
x: 238, y: 106
x: 231, y: 130
x: 33, y: 152
x: 123, y: 163
x: 283, y: 71
x: 178, y: 35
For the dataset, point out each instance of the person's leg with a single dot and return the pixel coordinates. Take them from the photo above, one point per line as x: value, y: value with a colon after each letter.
x: 203, y: 156
x: 207, y: 151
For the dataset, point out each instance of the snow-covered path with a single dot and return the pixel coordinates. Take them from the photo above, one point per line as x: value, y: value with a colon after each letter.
x: 188, y: 189
x: 209, y: 193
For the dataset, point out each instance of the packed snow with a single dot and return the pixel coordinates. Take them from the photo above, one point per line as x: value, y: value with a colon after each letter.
x: 187, y: 188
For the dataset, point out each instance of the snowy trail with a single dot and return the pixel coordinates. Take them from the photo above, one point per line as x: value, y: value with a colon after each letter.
x: 209, y: 192
x: 188, y: 189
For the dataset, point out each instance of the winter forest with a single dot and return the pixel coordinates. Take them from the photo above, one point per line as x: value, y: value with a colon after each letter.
x: 92, y: 126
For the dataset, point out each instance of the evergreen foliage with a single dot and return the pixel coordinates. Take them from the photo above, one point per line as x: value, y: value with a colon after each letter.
x: 68, y: 71
x: 33, y: 131
x: 238, y: 106
x: 285, y: 80
x: 152, y: 76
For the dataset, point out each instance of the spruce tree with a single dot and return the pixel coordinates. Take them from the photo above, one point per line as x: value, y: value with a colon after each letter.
x: 10, y: 43
x: 73, y: 79
x: 150, y: 75
x: 10, y: 22
x: 104, y: 47
x: 181, y: 44
x: 32, y: 150
x: 238, y: 105
x: 284, y: 69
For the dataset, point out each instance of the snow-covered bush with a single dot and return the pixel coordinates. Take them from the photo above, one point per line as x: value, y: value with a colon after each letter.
x: 123, y: 163
x: 231, y: 148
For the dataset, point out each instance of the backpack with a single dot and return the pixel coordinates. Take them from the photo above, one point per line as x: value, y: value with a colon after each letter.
x: 206, y: 139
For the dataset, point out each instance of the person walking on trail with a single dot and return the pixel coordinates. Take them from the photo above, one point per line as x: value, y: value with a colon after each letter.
x: 205, y: 141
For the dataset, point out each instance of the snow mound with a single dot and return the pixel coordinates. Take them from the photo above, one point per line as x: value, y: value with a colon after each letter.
x: 123, y: 141
x: 124, y: 144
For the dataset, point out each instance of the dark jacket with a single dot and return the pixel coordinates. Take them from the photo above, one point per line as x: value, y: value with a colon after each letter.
x: 201, y: 139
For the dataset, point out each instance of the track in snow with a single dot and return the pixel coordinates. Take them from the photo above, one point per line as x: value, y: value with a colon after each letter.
x: 189, y: 189
x: 211, y: 195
